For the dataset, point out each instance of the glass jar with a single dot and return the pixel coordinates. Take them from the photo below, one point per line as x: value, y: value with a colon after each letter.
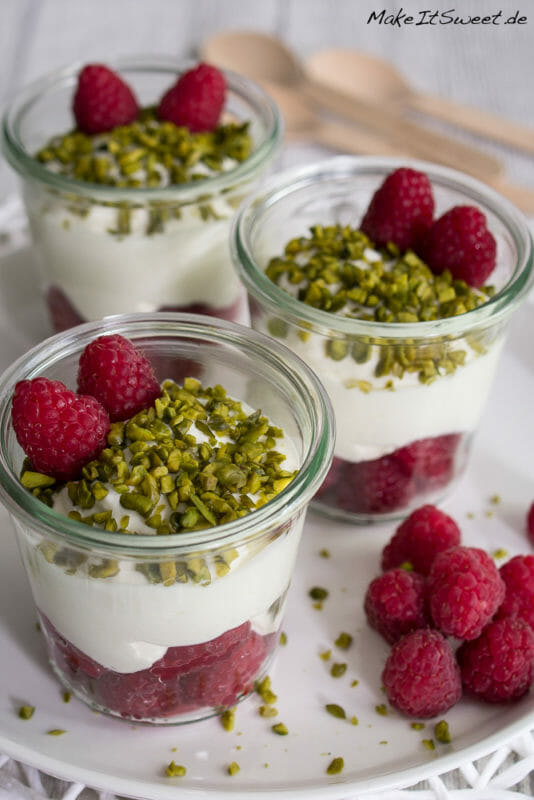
x: 176, y: 627
x: 108, y: 250
x: 407, y: 397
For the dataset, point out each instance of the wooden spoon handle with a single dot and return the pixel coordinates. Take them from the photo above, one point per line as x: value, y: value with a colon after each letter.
x: 522, y: 197
x: 483, y: 123
x: 405, y: 135
x: 349, y: 139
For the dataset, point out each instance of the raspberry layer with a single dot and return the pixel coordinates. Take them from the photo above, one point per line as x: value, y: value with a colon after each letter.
x: 206, y: 676
x: 64, y: 315
x: 394, y: 482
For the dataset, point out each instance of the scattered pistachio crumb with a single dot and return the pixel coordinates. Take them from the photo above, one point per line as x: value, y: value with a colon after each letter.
x: 239, y: 747
x: 429, y: 744
x: 283, y: 638
x: 489, y: 513
x: 354, y: 682
x: 407, y: 566
x: 280, y: 729
x: 67, y: 697
x: 442, y: 732
x: 500, y: 553
x: 228, y: 719
x: 318, y: 605
x: 175, y: 770
x: 335, y: 710
x: 470, y: 515
x: 266, y: 764
x: 417, y: 726
x: 324, y: 553
x: 56, y: 732
x: 26, y: 712
x: 325, y: 655
x: 354, y: 720
x: 174, y: 749
x: 268, y: 711
x: 383, y: 741
x: 335, y: 766
x: 233, y: 768
x: 263, y: 688
x: 318, y: 593
x: 343, y: 641
x: 381, y: 709
x: 495, y: 499
x: 338, y: 669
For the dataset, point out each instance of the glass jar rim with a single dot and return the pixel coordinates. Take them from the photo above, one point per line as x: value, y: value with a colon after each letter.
x: 26, y: 165
x: 289, y: 307
x: 297, y: 375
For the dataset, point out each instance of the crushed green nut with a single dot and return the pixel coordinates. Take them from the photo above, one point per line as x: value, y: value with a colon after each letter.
x: 338, y: 669
x: 280, y: 729
x: 263, y: 688
x: 428, y: 744
x: 335, y: 710
x: 174, y: 770
x: 233, y: 768
x: 26, y: 712
x: 283, y: 638
x: 442, y: 732
x: 343, y: 641
x: 56, y: 732
x: 228, y: 719
x: 381, y: 709
x: 318, y: 593
x: 335, y: 766
x: 417, y: 726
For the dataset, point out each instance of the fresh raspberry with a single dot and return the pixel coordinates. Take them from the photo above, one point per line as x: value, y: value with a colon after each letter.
x: 431, y: 460
x: 58, y: 430
x: 118, y: 375
x: 499, y: 665
x: 530, y: 523
x: 460, y: 242
x: 102, y: 100
x: 464, y: 591
x: 395, y: 604
x: 425, y: 533
x: 401, y: 209
x: 421, y: 676
x: 375, y: 487
x: 196, y: 100
x: 518, y: 577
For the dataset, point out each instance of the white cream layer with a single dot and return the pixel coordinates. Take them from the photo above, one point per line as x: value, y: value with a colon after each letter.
x: 103, y: 273
x: 126, y: 623
x: 370, y: 425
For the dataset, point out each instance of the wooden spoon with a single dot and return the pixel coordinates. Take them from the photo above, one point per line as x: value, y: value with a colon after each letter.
x: 265, y: 58
x: 371, y: 78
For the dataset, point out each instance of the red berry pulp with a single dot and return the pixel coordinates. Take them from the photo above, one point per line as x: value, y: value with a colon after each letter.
x: 212, y: 675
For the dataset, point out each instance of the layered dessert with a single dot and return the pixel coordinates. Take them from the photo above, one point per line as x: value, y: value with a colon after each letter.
x: 134, y: 198
x: 406, y: 397
x: 182, y: 625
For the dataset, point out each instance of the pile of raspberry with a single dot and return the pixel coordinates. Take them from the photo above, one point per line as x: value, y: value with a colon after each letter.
x: 455, y: 621
x: 103, y: 100
x: 401, y: 212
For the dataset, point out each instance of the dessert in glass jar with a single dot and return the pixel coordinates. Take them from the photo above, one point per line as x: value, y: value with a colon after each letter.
x: 130, y: 176
x: 395, y: 282
x: 158, y: 509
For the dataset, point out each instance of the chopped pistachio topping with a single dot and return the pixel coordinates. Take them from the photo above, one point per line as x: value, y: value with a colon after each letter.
x: 500, y: 553
x: 268, y: 711
x: 67, y: 696
x: 175, y: 770
x: 442, y: 732
x: 56, y: 732
x: 381, y: 709
x: 324, y: 553
x: 337, y: 269
x: 233, y: 768
x: 174, y: 480
x: 148, y: 152
x: 336, y: 711
x: 429, y: 744
x: 283, y: 638
x: 417, y: 726
x: 335, y: 766
x: 26, y: 712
